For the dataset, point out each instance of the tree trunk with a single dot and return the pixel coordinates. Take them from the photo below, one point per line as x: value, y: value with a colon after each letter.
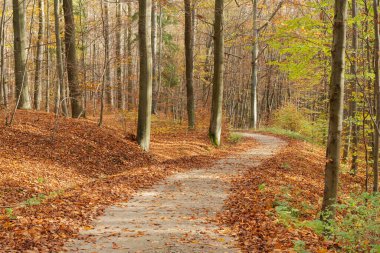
x: 3, y: 85
x: 21, y: 74
x: 39, y: 56
x: 336, y: 96
x: 120, y: 90
x: 47, y: 81
x: 129, y: 58
x: 108, y: 91
x: 377, y: 99
x: 353, y: 104
x: 217, y: 89
x: 189, y: 48
x: 145, y: 93
x: 58, y: 51
x: 154, y: 57
x: 71, y: 58
x: 254, y: 81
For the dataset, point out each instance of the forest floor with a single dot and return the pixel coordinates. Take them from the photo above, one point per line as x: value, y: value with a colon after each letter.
x: 175, y: 215
x: 58, y: 177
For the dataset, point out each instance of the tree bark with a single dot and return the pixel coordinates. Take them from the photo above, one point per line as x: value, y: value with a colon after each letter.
x: 39, y: 56
x: 217, y: 89
x: 254, y: 81
x: 154, y: 57
x: 21, y: 73
x: 58, y: 49
x: 353, y: 104
x: 120, y: 90
x: 129, y: 58
x: 3, y: 86
x: 47, y: 81
x: 377, y: 98
x: 71, y: 58
x: 336, y: 96
x: 189, y: 53
x: 108, y: 88
x: 145, y: 93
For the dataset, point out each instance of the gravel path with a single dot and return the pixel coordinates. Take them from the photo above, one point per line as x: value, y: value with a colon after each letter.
x: 176, y: 215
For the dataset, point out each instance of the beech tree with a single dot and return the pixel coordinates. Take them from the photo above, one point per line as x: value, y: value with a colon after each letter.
x: 336, y: 96
x: 215, y: 129
x: 21, y: 72
x: 71, y: 58
x: 377, y: 98
x: 39, y: 57
x: 145, y: 92
x: 189, y: 52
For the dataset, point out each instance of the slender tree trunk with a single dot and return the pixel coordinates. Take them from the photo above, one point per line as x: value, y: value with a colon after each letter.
x: 377, y: 98
x: 108, y: 91
x: 83, y: 24
x: 58, y: 51
x: 217, y: 89
x: 189, y: 52
x: 129, y: 58
x: 353, y: 104
x: 336, y: 94
x: 47, y: 81
x: 21, y: 73
x: 254, y: 81
x: 120, y: 90
x: 71, y: 58
x: 154, y: 56
x: 145, y: 93
x: 160, y: 31
x: 39, y: 56
x: 3, y: 85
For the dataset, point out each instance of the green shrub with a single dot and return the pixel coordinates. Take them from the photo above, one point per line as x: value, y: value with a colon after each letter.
x: 292, y: 119
x: 358, y: 228
x: 294, y: 123
x: 235, y: 137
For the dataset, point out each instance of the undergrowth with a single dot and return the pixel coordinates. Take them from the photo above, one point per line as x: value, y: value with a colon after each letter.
x: 356, y: 228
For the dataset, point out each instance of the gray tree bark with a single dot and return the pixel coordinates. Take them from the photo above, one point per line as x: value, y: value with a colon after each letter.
x: 47, y: 70
x: 217, y: 89
x: 254, y: 81
x: 71, y: 58
x: 154, y: 57
x: 129, y: 58
x: 108, y: 89
x: 3, y: 86
x: 145, y: 93
x: 21, y: 74
x: 189, y: 53
x: 120, y: 90
x: 59, y: 92
x: 353, y: 104
x: 377, y: 98
x: 336, y: 96
x: 39, y: 56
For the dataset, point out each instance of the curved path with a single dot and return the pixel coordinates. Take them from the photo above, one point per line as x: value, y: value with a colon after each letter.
x: 175, y: 215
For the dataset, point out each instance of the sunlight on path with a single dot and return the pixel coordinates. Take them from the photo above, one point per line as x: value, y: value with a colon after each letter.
x: 176, y: 215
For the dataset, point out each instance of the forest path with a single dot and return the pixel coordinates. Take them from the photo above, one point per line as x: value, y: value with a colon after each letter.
x: 177, y: 214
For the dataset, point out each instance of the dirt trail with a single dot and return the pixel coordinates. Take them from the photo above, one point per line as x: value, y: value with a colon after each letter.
x: 176, y: 215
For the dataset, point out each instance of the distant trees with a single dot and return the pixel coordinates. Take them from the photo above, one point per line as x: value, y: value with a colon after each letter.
x: 336, y: 96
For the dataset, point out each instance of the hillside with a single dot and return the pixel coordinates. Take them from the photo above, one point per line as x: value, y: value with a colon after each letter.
x: 58, y: 175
